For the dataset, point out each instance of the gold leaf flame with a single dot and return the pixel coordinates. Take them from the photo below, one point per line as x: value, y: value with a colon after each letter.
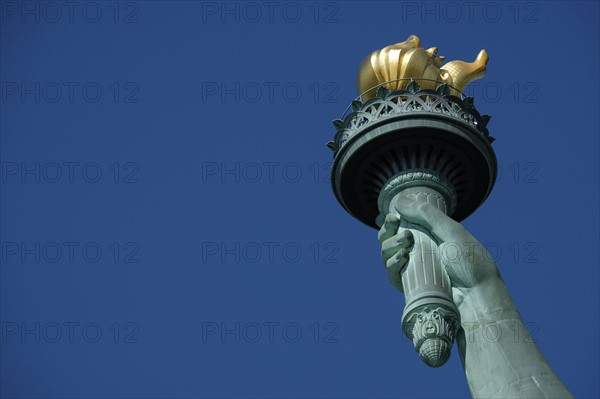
x: 408, y: 60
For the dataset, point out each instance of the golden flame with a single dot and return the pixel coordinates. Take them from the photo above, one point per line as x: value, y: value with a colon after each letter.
x: 409, y: 60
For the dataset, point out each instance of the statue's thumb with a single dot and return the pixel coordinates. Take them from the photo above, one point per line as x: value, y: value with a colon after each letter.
x: 427, y: 216
x: 408, y: 209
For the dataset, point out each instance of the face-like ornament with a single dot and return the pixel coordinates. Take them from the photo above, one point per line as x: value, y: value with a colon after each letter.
x: 428, y: 323
x: 433, y: 332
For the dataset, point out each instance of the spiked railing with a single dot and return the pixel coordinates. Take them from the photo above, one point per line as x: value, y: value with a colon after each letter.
x: 388, y: 104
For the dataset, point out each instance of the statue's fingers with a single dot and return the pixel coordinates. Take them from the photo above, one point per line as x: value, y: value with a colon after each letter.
x: 404, y: 239
x: 394, y: 265
x: 389, y: 228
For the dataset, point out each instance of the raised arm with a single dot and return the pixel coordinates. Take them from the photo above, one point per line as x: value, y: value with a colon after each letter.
x: 500, y: 358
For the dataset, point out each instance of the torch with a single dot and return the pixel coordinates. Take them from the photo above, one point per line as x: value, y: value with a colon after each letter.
x: 411, y: 132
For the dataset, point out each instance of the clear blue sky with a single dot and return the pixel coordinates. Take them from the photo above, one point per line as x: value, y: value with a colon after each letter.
x: 165, y: 195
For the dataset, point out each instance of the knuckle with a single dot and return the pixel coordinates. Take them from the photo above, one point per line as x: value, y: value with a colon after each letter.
x: 406, y: 235
x: 391, y: 218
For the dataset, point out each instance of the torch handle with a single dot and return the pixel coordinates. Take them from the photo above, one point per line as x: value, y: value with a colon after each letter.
x: 427, y: 289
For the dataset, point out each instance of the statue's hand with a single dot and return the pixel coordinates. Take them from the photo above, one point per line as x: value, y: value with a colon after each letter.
x: 396, y: 245
x: 466, y: 261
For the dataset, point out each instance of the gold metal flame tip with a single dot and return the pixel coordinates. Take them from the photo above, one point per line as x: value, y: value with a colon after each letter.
x: 396, y: 64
